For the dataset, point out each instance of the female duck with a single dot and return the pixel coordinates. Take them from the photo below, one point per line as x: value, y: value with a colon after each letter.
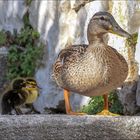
x: 94, y: 69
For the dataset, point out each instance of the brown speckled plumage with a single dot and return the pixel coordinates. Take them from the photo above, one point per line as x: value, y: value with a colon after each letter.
x: 93, y: 69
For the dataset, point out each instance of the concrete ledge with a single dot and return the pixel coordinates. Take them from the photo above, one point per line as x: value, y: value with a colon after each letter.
x: 63, y: 127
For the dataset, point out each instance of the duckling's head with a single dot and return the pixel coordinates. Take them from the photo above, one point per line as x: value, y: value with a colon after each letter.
x: 104, y: 22
x: 31, y: 84
x: 18, y: 83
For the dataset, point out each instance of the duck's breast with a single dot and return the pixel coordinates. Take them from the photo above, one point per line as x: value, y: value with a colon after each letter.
x: 84, y: 74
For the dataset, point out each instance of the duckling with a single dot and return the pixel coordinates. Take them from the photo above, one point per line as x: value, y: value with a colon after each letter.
x: 32, y: 90
x: 94, y: 69
x: 23, y: 91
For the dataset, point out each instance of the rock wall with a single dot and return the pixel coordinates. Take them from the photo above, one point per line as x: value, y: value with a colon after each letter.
x: 127, y: 14
x: 11, y: 13
x: 60, y: 25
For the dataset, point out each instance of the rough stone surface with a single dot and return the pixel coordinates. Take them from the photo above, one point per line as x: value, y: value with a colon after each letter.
x: 58, y: 127
x: 127, y: 96
x: 138, y: 48
x: 3, y: 70
x: 138, y: 94
x: 11, y: 14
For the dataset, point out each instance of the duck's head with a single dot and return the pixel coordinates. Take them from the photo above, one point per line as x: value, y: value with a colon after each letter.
x: 104, y: 22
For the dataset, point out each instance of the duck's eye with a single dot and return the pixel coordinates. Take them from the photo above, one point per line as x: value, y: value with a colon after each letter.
x: 102, y: 18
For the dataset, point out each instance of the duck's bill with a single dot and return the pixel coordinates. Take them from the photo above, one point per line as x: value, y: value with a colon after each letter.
x: 29, y: 86
x: 120, y: 32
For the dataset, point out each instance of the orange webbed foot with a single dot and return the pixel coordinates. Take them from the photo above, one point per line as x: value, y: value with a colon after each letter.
x: 106, y: 112
x: 68, y: 106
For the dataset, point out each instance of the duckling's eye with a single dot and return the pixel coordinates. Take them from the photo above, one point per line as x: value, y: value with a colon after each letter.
x: 102, y: 18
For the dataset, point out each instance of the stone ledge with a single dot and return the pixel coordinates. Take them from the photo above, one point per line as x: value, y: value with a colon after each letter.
x: 63, y: 127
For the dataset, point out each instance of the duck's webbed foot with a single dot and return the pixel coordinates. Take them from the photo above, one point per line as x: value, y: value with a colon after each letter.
x: 18, y: 111
x: 32, y: 109
x: 67, y: 105
x: 106, y: 111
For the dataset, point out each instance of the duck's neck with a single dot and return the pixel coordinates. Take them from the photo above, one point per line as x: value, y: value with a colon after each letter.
x: 97, y: 38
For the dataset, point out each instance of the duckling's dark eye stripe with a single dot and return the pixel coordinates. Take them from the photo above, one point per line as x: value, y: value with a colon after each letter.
x: 32, y: 83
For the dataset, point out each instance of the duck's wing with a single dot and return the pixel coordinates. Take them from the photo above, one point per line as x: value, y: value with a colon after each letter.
x: 71, y: 53
x: 68, y: 55
x: 120, y: 57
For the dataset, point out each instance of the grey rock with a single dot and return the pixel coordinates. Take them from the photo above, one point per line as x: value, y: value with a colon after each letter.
x: 11, y: 14
x: 127, y: 96
x: 3, y: 70
x: 63, y: 127
x: 138, y: 94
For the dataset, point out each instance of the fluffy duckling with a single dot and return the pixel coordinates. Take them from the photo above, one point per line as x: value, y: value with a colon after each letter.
x: 23, y: 91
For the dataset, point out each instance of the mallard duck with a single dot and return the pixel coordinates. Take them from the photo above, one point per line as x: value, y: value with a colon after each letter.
x: 22, y: 91
x: 94, y: 69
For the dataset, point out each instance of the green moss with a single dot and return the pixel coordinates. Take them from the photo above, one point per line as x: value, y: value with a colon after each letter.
x: 132, y: 40
x: 28, y: 2
x: 25, y: 51
x: 96, y: 104
x: 115, y: 105
x: 135, y: 38
x: 2, y: 38
x: 22, y: 62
